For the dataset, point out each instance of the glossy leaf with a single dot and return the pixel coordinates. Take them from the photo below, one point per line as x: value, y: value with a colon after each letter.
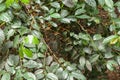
x: 91, y: 3
x: 68, y: 3
x: 109, y: 3
x: 5, y: 17
x: 27, y: 52
x: 64, y: 13
x: 79, y: 11
x: 29, y: 76
x: 55, y: 15
x: 52, y: 76
x: 30, y: 39
x: 82, y: 61
x: 6, y: 76
x: 55, y: 4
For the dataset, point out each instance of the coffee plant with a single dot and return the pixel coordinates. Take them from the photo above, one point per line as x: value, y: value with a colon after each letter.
x: 59, y: 39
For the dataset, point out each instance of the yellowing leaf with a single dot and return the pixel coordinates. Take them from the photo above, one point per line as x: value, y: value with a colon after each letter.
x: 114, y: 41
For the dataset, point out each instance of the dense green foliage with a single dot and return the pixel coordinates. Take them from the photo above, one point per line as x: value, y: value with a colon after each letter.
x: 90, y: 34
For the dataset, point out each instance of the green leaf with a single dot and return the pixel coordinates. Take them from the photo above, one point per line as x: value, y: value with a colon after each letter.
x: 1, y: 1
x: 23, y: 30
x: 2, y: 7
x: 53, y: 24
x: 68, y: 3
x: 94, y: 58
x: 79, y: 11
x: 52, y: 76
x: 91, y: 3
x: 118, y: 60
x: 6, y: 76
x: 59, y: 71
x: 70, y: 77
x: 55, y: 15
x: 97, y: 37
x: 65, y: 20
x: 2, y: 36
x: 10, y: 69
x: 21, y: 51
x: 108, y: 39
x: 111, y: 64
x: 82, y: 61
x: 84, y: 16
x: 10, y: 33
x: 25, y: 1
x: 16, y: 24
x: 55, y: 5
x: 69, y: 48
x: 109, y: 3
x: 30, y: 39
x: 9, y: 2
x: 117, y: 3
x: 88, y: 65
x: 18, y: 75
x: 6, y: 17
x: 64, y: 13
x: 108, y: 54
x: 27, y: 52
x: 87, y: 50
x: 49, y: 59
x: 41, y: 55
x: 13, y: 60
x: 39, y: 74
x: 16, y: 6
x: 78, y: 75
x: 16, y: 41
x: 31, y: 64
x: 84, y: 36
x: 29, y: 76
x: 36, y: 26
x: 35, y: 40
x: 101, y: 2
x: 65, y: 74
